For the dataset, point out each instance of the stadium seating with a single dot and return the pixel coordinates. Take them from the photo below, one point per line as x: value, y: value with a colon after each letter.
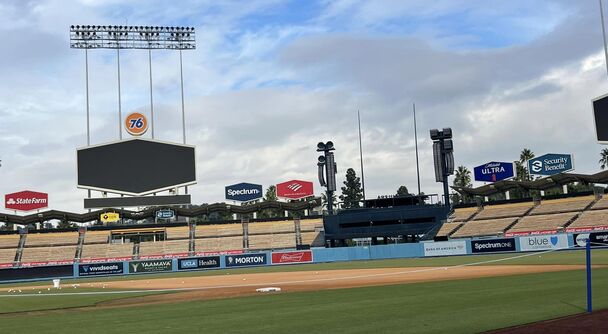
x: 311, y: 225
x: 271, y: 227
x: 272, y: 241
x: 503, y: 211
x: 7, y: 255
x: 542, y: 222
x: 464, y: 214
x: 9, y: 241
x: 106, y: 250
x: 562, y: 205
x: 91, y: 237
x: 163, y: 247
x: 181, y: 232
x: 592, y: 218
x: 219, y: 230
x: 484, y: 227
x: 50, y: 239
x: 43, y: 254
x: 216, y: 244
x: 601, y: 204
x: 314, y: 239
x: 447, y: 228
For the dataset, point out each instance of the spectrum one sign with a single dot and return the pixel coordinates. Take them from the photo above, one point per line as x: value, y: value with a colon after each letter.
x: 295, y: 189
x: 494, y: 171
x: 26, y: 200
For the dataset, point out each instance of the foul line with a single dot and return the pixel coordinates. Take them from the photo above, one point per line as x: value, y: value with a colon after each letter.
x: 329, y: 279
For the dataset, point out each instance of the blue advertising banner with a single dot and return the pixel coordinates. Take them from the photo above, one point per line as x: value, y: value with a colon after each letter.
x: 244, y: 192
x: 199, y: 263
x: 243, y: 260
x: 494, y: 171
x: 94, y: 269
x: 550, y: 164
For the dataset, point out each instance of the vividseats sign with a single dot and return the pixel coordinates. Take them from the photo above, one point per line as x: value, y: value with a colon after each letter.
x: 494, y: 171
x: 95, y: 269
x: 244, y: 260
x: 550, y: 164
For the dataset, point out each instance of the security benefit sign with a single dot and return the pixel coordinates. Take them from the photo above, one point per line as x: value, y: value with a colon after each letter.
x: 494, y: 171
x: 244, y: 260
x: 244, y: 192
x: 550, y: 164
x: 543, y: 242
x: 493, y: 245
x: 206, y: 262
x: 151, y: 266
x: 98, y: 269
x: 445, y: 248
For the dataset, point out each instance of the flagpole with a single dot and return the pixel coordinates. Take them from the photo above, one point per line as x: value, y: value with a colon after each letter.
x: 361, y: 155
x: 416, y: 142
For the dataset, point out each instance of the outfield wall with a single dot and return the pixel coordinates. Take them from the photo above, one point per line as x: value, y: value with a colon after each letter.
x: 315, y: 255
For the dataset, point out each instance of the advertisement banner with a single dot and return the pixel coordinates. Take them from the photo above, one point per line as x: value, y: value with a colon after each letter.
x: 494, y: 171
x: 244, y: 192
x: 295, y: 189
x: 36, y: 272
x: 550, y: 164
x: 444, y: 248
x: 598, y: 239
x: 244, y: 260
x: 493, y: 245
x: 206, y: 262
x: 543, y: 242
x: 587, y: 229
x: 291, y: 257
x: 26, y: 201
x: 539, y: 232
x: 95, y: 269
x: 226, y: 252
x: 151, y: 266
x: 106, y: 259
x: 165, y: 214
x: 109, y: 217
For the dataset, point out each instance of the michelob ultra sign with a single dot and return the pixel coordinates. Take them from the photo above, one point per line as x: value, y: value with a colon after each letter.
x: 494, y: 171
x: 550, y: 164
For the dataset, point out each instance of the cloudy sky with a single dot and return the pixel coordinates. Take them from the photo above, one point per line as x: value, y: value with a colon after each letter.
x: 270, y: 78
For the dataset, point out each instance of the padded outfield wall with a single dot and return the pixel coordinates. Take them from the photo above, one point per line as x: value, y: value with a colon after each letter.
x: 315, y: 255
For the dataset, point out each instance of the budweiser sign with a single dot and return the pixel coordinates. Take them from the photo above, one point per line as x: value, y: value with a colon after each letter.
x: 295, y: 189
x: 26, y: 200
x: 291, y: 257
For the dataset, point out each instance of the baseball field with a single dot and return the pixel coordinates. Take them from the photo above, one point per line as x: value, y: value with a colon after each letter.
x: 464, y: 294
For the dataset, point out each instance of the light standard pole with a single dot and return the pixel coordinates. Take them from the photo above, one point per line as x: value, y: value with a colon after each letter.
x: 326, y: 161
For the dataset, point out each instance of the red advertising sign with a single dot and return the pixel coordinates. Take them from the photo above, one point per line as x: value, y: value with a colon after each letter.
x: 586, y: 229
x: 520, y: 234
x: 26, y: 200
x: 295, y: 189
x: 291, y: 257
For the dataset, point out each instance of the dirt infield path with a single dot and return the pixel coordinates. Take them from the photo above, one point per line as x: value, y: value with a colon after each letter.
x: 228, y: 285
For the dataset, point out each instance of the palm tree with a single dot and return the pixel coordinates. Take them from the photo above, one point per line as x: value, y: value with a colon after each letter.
x: 462, y: 177
x: 525, y: 155
x: 604, y: 158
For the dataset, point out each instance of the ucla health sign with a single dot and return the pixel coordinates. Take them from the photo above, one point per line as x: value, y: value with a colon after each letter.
x: 550, y: 164
x: 244, y: 192
x: 494, y: 171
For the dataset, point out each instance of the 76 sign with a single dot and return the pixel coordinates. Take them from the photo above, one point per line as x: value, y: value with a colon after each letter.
x: 136, y: 124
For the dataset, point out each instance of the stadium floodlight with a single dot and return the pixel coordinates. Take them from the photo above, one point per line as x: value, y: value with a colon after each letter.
x: 132, y: 37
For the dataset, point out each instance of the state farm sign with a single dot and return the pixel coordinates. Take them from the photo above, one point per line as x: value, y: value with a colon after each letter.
x: 26, y: 200
x: 295, y: 189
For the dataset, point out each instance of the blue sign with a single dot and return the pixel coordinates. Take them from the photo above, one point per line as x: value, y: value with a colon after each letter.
x: 245, y: 260
x: 244, y: 192
x: 494, y: 171
x: 165, y: 214
x: 94, y: 269
x: 550, y: 164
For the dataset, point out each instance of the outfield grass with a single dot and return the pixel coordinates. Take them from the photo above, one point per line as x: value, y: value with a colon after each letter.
x: 461, y: 306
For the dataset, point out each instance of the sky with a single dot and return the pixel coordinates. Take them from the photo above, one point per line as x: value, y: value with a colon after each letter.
x: 270, y: 78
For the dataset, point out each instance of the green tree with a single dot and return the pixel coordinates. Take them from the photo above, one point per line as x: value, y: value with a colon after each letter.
x: 351, y: 192
x: 324, y: 199
x: 462, y: 178
x: 521, y: 165
x: 64, y: 224
x: 402, y: 191
x: 604, y: 158
x: 271, y: 194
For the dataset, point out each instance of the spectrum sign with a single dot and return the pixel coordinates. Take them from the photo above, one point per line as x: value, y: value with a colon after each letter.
x: 26, y: 201
x: 295, y: 189
x: 244, y: 192
x: 494, y: 171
